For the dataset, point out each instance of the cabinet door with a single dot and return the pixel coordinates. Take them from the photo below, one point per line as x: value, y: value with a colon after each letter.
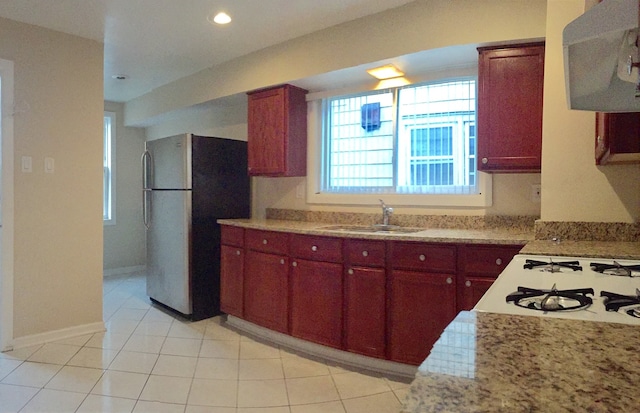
x: 617, y: 138
x: 471, y: 290
x: 421, y: 306
x: 266, y: 129
x: 231, y: 280
x: 277, y: 128
x: 510, y: 90
x: 365, y: 311
x: 266, y: 289
x: 316, y: 302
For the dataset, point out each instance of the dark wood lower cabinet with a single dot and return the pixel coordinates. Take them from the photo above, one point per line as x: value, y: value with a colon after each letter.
x: 231, y: 280
x: 266, y: 292
x: 472, y: 290
x: 365, y: 314
x: 316, y: 302
x: 422, y: 305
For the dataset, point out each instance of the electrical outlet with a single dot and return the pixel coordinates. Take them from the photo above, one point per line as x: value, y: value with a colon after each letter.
x: 536, y: 192
x: 300, y: 191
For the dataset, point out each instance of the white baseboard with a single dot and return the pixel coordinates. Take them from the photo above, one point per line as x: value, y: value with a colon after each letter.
x: 389, y: 368
x: 123, y: 270
x: 56, y: 335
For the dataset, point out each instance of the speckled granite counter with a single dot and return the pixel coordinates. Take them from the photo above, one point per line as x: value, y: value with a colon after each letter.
x: 595, y: 249
x: 499, y: 235
x: 486, y: 362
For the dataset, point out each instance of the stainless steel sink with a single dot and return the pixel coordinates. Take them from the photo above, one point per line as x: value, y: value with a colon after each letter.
x: 371, y: 228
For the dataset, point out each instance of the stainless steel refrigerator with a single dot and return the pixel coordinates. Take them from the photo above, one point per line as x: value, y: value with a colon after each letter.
x: 189, y: 182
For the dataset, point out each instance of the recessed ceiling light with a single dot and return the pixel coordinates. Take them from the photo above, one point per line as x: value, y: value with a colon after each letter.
x: 120, y: 77
x: 220, y: 18
x: 385, y: 72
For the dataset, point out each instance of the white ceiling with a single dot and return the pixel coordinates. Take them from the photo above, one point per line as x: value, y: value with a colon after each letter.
x: 155, y: 42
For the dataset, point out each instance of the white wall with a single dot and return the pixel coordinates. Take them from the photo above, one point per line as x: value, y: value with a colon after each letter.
x: 573, y: 187
x: 124, y: 241
x: 58, y: 217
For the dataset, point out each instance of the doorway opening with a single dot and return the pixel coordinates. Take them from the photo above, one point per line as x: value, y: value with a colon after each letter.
x: 6, y: 204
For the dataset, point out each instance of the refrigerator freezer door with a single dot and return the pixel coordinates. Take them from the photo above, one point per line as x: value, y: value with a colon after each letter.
x: 170, y: 162
x: 168, y: 250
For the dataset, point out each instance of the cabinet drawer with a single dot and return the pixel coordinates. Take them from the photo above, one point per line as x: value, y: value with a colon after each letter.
x: 316, y: 248
x: 267, y: 241
x: 486, y: 260
x: 232, y: 236
x: 423, y: 257
x: 365, y: 252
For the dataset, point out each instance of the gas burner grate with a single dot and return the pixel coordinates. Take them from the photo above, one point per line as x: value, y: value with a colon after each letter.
x: 616, y: 269
x: 614, y: 301
x: 552, y: 266
x: 551, y: 300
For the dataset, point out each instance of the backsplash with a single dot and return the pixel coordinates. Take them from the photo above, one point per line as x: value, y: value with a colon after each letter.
x: 587, y: 231
x: 517, y: 223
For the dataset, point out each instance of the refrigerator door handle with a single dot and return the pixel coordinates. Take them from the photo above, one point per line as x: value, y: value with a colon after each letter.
x: 146, y: 188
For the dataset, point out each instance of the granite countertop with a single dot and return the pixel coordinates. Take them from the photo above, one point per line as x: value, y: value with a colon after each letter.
x: 594, y: 249
x: 486, y: 362
x: 498, y: 235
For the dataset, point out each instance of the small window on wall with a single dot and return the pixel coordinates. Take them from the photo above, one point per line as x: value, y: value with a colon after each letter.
x: 418, y: 139
x: 108, y: 170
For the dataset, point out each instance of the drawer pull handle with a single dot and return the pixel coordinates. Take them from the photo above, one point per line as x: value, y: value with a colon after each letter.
x: 365, y: 253
x: 422, y: 257
x: 485, y: 161
x: 295, y: 264
x: 350, y: 271
x: 314, y: 248
x: 237, y: 252
x: 467, y: 283
x: 499, y: 261
x: 264, y: 241
x: 449, y: 280
x: 282, y: 261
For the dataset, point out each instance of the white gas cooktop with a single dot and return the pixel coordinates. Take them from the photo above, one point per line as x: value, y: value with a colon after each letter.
x: 515, y: 275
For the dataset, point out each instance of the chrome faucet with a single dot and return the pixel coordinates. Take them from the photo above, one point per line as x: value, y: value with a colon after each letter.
x: 386, y: 213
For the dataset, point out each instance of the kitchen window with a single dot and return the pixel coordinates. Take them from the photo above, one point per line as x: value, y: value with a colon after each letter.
x: 108, y: 173
x: 418, y: 139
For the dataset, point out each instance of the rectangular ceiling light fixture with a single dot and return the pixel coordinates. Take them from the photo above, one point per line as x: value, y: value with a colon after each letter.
x: 385, y: 72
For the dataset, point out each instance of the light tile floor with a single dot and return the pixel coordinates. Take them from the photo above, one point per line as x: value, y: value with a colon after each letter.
x: 149, y: 361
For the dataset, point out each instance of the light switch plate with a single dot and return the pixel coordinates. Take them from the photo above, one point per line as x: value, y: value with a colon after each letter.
x: 27, y: 164
x: 49, y: 165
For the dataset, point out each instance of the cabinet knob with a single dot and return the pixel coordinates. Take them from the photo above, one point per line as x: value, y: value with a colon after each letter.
x: 295, y: 264
x: 282, y: 261
x: 485, y: 161
x: 467, y: 283
x: 499, y: 261
x: 365, y: 253
x: 422, y: 257
x: 265, y: 242
x: 350, y: 271
x: 449, y: 280
x: 314, y: 248
x: 237, y: 252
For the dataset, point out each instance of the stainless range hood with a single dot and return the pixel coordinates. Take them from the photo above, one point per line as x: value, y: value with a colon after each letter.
x: 600, y: 56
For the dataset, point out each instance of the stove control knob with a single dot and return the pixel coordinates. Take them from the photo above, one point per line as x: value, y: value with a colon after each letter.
x: 449, y: 280
x: 499, y: 261
x: 467, y: 283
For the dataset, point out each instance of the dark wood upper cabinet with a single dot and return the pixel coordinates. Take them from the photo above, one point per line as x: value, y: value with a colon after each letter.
x: 617, y: 138
x: 510, y: 94
x: 277, y: 127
